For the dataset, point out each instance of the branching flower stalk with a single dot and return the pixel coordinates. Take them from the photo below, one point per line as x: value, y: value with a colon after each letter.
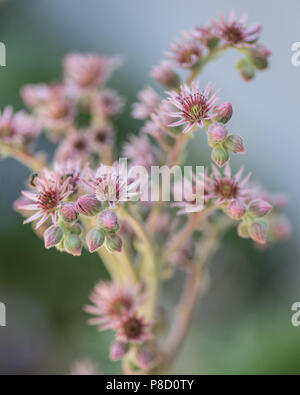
x: 85, y: 198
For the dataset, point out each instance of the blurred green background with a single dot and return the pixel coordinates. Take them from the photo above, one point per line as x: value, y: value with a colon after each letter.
x: 243, y: 323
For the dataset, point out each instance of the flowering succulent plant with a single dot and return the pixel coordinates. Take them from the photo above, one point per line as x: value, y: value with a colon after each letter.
x: 85, y: 198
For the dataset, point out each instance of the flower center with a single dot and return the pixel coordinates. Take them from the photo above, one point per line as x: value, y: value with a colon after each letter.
x: 195, y: 111
x: 227, y: 188
x: 194, y: 107
x: 187, y: 56
x: 80, y: 145
x: 133, y: 328
x: 48, y: 200
x: 234, y: 33
x: 108, y: 188
x: 101, y: 136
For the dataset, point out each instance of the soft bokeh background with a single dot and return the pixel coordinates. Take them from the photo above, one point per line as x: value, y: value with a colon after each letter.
x: 243, y: 323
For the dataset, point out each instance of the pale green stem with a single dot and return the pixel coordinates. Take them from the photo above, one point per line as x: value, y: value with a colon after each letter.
x: 32, y: 162
x: 195, y: 281
x: 149, y: 269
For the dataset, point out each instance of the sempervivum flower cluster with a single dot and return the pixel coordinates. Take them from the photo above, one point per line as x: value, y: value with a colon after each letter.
x: 49, y: 192
x: 235, y: 196
x: 198, y: 108
x: 200, y: 45
x: 85, y: 199
x: 61, y: 200
x: 236, y: 32
x: 115, y: 306
x: 81, y: 95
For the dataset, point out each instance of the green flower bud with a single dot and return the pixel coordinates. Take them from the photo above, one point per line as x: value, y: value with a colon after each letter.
x: 220, y: 155
x: 95, y: 239
x: 68, y: 212
x: 246, y: 69
x: 235, y: 144
x: 243, y: 231
x: 259, y: 208
x: 113, y: 242
x: 73, y: 244
x: 108, y: 220
x: 258, y: 231
x: 88, y: 205
x: 53, y: 236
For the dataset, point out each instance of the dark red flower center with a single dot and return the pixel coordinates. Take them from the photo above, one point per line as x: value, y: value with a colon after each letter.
x: 48, y: 200
x: 133, y: 328
x: 234, y: 33
x: 187, y: 55
x: 80, y: 145
x: 227, y: 188
x: 101, y: 136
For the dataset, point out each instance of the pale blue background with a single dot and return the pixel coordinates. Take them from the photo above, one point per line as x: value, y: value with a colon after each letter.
x: 244, y: 321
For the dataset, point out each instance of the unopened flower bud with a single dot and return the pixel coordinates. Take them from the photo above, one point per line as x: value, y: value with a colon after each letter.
x: 118, y: 350
x: 259, y: 208
x: 257, y: 232
x: 53, y: 236
x: 246, y: 69
x: 243, y: 231
x: 235, y: 143
x: 95, y: 239
x: 236, y: 209
x: 108, y: 220
x: 224, y: 112
x: 220, y: 155
x: 145, y: 357
x: 165, y: 75
x: 88, y: 205
x: 68, y: 212
x: 259, y: 56
x: 73, y: 244
x: 217, y: 132
x: 113, y: 243
x: 76, y: 229
x: 212, y: 42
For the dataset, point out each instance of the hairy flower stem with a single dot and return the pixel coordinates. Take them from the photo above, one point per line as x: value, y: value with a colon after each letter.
x: 196, y: 281
x: 184, y: 311
x: 149, y: 269
x: 210, y: 56
x: 174, y: 154
x: 32, y: 162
